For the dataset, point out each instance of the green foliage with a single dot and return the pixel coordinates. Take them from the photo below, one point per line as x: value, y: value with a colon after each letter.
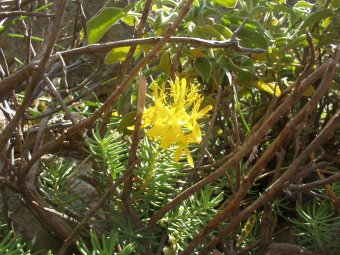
x: 226, y: 3
x: 106, y: 245
x: 109, y: 150
x: 157, y: 176
x: 100, y: 24
x: 187, y: 220
x: 317, y: 227
x: 12, y: 244
x: 116, y: 55
x: 57, y: 183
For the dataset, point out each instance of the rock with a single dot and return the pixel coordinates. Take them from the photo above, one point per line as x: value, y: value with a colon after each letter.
x: 286, y: 249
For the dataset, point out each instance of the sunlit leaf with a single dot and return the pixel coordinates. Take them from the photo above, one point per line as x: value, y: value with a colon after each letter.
x: 117, y: 55
x: 130, y: 19
x: 316, y: 17
x: 223, y: 30
x: 100, y: 24
x: 226, y: 3
x: 165, y: 63
x: 302, y: 7
x: 268, y: 87
x: 207, y: 32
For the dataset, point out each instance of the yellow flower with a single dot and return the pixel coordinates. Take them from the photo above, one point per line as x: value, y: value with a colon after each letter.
x: 173, y: 119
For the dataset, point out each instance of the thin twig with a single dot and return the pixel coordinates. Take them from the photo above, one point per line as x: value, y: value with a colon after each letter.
x: 16, y: 78
x: 3, y: 63
x: 234, y: 105
x: 8, y: 14
x: 210, y: 128
x: 64, y: 68
x: 195, y: 42
x: 128, y: 181
x: 58, y: 97
x: 307, y: 186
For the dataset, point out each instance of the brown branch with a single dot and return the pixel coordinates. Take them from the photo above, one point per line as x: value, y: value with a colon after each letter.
x: 3, y: 63
x: 15, y: 79
x: 7, y: 14
x: 197, y: 42
x: 287, y: 248
x: 12, y: 81
x: 27, y: 186
x: 128, y: 181
x: 234, y: 102
x: 210, y: 128
x: 307, y: 186
x: 58, y: 97
x: 310, y: 63
x: 64, y: 69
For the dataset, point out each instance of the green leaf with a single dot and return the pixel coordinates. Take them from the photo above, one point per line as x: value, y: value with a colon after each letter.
x: 203, y: 67
x: 303, y: 7
x: 129, y: 20
x: 296, y: 42
x: 165, y: 63
x: 278, y: 8
x: 100, y: 24
x: 117, y: 55
x: 226, y: 3
x: 244, y: 76
x: 252, y: 39
x: 207, y: 32
x: 252, y: 35
x: 316, y: 17
x: 127, y: 121
x: 223, y: 30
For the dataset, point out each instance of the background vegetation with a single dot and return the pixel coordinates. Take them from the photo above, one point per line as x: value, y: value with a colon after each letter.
x: 79, y: 173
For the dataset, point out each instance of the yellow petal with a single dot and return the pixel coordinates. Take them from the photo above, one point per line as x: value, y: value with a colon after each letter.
x: 197, y: 132
x: 189, y: 157
x: 178, y: 153
x: 155, y: 131
x: 170, y: 136
x: 166, y: 142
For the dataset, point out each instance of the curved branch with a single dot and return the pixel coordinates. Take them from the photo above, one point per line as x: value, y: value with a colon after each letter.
x: 196, y: 42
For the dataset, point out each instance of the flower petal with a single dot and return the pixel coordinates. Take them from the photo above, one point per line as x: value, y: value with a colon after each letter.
x: 178, y: 153
x: 189, y: 157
